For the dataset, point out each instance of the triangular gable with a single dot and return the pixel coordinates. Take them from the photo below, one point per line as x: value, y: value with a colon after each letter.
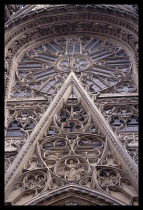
x: 70, y: 88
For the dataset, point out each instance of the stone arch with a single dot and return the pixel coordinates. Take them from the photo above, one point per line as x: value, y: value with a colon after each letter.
x: 74, y: 195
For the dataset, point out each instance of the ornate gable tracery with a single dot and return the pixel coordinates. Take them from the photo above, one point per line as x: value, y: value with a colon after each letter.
x: 73, y: 154
x: 73, y: 142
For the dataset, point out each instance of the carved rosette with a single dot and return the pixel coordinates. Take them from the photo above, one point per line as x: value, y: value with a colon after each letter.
x: 100, y: 64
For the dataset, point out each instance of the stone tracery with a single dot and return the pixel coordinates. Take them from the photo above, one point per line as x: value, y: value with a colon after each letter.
x: 124, y: 121
x: 71, y: 156
x: 73, y: 149
x: 103, y: 64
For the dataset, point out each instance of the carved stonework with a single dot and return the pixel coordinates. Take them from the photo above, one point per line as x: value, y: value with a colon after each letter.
x: 72, y: 155
x: 71, y: 106
x: 98, y: 62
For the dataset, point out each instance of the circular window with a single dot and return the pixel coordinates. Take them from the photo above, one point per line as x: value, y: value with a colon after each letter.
x: 103, y: 63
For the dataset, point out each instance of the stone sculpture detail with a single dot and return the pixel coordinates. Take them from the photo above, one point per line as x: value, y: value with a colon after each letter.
x: 72, y: 162
x: 71, y: 156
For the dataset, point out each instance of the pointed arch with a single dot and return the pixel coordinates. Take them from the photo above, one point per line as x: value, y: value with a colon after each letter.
x: 74, y: 195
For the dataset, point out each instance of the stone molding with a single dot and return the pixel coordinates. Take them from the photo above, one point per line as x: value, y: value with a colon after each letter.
x: 103, y: 197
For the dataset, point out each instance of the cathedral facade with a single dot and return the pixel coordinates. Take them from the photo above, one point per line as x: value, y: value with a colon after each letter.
x: 71, y: 105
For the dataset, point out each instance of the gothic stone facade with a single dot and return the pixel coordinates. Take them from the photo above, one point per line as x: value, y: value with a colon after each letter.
x: 71, y: 105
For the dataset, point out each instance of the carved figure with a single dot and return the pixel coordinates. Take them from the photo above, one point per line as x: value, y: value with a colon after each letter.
x: 40, y: 181
x: 31, y: 183
x: 72, y: 174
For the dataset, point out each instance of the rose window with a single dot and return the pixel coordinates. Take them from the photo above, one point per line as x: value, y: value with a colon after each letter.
x: 99, y: 64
